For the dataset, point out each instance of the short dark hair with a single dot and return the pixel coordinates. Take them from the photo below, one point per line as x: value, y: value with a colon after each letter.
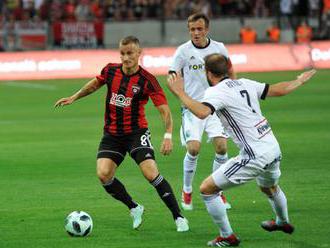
x: 217, y: 64
x: 197, y: 16
x: 128, y: 40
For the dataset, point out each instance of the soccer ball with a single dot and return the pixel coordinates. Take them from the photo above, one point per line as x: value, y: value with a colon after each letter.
x: 78, y: 224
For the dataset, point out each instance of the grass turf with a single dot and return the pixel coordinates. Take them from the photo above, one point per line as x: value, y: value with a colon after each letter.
x: 47, y: 170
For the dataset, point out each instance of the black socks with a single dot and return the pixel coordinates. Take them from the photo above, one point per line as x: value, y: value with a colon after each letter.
x: 166, y: 194
x: 117, y: 190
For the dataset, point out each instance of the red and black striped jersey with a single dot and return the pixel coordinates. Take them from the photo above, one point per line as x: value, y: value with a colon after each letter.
x: 126, y: 98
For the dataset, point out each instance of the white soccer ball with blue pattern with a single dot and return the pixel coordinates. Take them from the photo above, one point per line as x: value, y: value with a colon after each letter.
x: 78, y: 224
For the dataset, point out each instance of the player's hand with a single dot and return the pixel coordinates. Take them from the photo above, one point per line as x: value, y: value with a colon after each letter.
x: 175, y: 83
x: 64, y: 101
x: 305, y: 76
x: 166, y: 147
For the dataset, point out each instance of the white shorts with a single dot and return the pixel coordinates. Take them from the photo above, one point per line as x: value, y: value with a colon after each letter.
x: 192, y: 128
x: 239, y: 170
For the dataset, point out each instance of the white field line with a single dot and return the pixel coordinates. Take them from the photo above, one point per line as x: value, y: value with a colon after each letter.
x: 29, y: 85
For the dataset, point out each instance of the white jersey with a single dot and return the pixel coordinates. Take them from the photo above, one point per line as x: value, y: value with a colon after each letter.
x: 236, y: 102
x: 189, y: 59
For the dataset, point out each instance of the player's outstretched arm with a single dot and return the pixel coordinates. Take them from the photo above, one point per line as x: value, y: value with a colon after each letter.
x: 167, y: 145
x: 87, y: 89
x: 175, y: 84
x: 284, y: 88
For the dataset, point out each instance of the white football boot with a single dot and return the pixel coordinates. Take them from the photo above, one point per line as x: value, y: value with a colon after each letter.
x: 136, y: 214
x: 181, y: 224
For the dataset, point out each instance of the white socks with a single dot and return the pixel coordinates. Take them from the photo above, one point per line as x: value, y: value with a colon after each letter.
x: 216, y: 208
x: 219, y: 160
x: 190, y: 165
x: 279, y: 205
x: 189, y: 169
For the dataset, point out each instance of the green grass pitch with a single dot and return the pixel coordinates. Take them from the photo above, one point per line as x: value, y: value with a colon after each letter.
x: 47, y: 170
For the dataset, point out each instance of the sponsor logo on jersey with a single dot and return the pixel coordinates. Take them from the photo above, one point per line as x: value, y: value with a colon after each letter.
x: 120, y: 100
x: 263, y: 128
x: 196, y: 67
x: 136, y: 89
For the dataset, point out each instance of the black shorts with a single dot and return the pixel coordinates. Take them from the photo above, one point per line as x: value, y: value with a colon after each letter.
x: 138, y: 145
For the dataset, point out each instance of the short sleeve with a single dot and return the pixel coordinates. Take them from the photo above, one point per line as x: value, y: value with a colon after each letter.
x: 212, y: 98
x: 102, y: 77
x: 158, y: 98
x: 260, y: 88
x: 178, y: 61
x: 156, y: 92
x: 223, y: 50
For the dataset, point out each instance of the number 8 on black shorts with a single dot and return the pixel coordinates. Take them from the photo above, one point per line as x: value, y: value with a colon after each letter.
x: 138, y: 145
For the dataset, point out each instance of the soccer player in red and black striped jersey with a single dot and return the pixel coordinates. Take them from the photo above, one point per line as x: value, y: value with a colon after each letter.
x: 126, y: 128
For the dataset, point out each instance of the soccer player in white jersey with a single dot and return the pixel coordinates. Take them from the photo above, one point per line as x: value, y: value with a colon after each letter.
x: 236, y: 102
x: 189, y: 59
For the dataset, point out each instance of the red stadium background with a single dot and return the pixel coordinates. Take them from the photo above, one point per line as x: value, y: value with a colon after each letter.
x: 88, y: 63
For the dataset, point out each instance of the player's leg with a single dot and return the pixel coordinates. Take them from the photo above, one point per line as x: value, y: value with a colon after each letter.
x: 268, y: 183
x: 191, y: 133
x: 163, y: 188
x: 109, y: 157
x: 189, y: 170
x: 278, y: 202
x: 106, y: 173
x: 150, y: 172
x: 210, y: 193
x: 221, y: 156
x: 142, y: 152
x: 234, y: 172
x: 215, y: 131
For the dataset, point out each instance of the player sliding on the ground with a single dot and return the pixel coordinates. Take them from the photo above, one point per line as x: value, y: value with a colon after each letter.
x: 126, y: 128
x: 236, y: 102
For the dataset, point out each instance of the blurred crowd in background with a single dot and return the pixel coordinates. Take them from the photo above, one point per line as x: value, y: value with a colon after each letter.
x: 38, y: 24
x: 130, y: 10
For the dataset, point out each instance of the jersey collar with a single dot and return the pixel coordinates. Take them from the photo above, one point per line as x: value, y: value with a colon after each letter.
x: 122, y: 71
x: 223, y: 79
x: 199, y: 47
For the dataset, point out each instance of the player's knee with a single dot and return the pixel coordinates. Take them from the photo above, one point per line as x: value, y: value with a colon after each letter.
x: 149, y: 169
x: 221, y: 146
x: 222, y: 150
x: 206, y: 188
x: 269, y: 191
x: 104, y: 172
x: 103, y: 175
x: 150, y: 175
x: 193, y: 148
x: 193, y: 152
x: 203, y: 189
